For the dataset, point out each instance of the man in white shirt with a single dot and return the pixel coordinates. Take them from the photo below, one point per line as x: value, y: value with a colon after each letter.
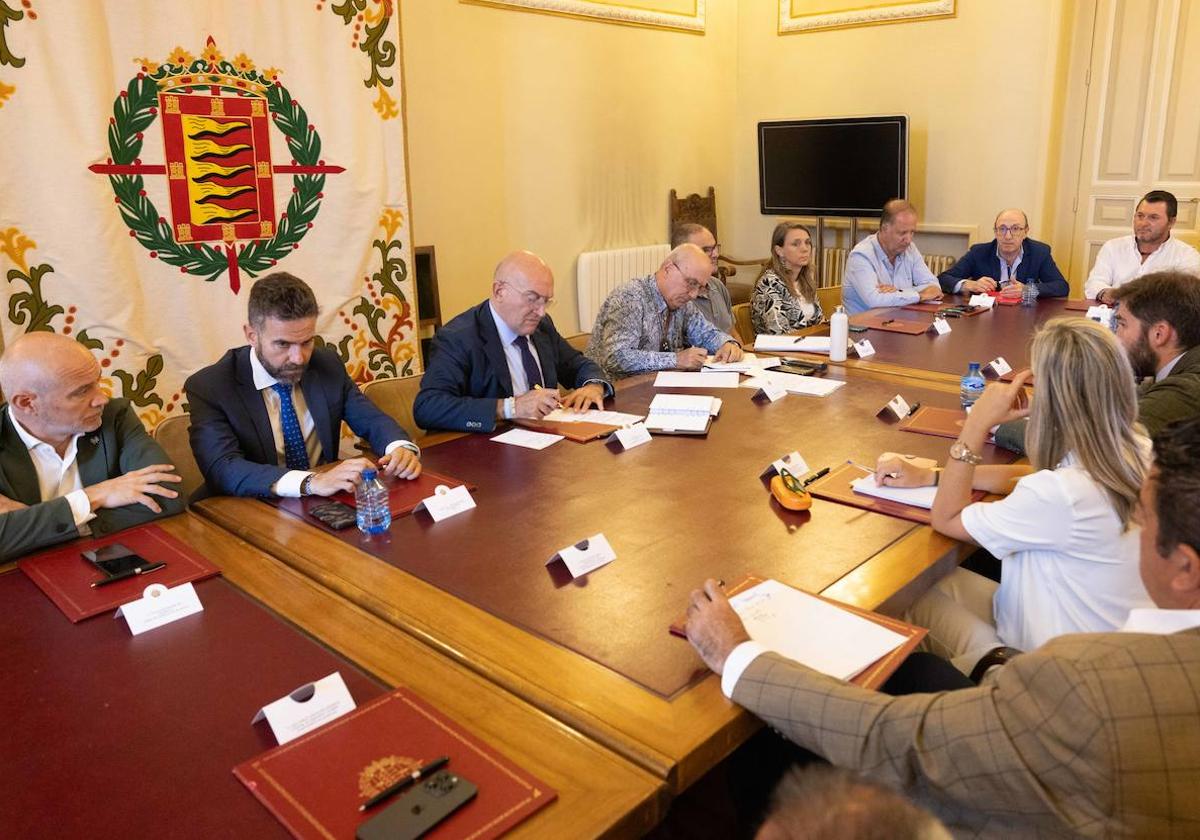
x: 72, y: 461
x: 267, y: 413
x: 1150, y: 248
x: 1089, y: 735
x: 886, y: 269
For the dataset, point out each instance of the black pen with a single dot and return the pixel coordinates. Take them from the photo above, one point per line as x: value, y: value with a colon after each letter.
x: 913, y: 410
x: 818, y: 474
x: 140, y: 570
x: 403, y: 784
x: 885, y: 323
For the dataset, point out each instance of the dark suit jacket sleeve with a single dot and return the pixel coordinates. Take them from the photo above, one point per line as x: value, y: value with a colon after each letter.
x: 1051, y: 282
x: 215, y: 444
x: 445, y: 400
x: 970, y: 750
x: 136, y: 450
x: 961, y: 270
x: 1176, y: 397
x: 43, y: 524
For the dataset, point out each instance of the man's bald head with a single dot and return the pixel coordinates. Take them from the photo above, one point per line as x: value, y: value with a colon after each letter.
x: 522, y: 288
x: 52, y: 384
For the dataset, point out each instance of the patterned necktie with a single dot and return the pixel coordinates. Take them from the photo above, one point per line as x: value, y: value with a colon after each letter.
x: 294, y: 453
x: 532, y: 375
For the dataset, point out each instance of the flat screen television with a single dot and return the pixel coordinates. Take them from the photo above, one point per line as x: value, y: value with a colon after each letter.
x: 833, y: 167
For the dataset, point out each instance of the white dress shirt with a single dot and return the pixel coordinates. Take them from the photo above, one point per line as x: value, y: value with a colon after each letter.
x: 1119, y: 261
x: 289, y: 483
x: 58, y: 476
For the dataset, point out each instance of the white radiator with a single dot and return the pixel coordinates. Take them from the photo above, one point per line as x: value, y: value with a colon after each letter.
x: 599, y: 272
x: 833, y: 264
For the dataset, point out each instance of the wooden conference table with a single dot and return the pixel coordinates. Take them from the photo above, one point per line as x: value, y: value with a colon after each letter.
x: 596, y: 653
x: 110, y: 735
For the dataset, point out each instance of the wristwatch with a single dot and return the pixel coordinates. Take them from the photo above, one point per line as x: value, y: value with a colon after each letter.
x: 959, y: 451
x: 306, y: 485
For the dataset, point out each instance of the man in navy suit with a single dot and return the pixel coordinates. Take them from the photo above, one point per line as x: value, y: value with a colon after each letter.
x: 1009, y: 258
x: 255, y: 433
x: 504, y: 359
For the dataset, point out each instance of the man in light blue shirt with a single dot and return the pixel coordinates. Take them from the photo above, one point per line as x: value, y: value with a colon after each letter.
x: 886, y: 269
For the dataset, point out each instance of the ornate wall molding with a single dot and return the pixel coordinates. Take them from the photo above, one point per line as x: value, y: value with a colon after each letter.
x: 609, y: 12
x: 790, y: 22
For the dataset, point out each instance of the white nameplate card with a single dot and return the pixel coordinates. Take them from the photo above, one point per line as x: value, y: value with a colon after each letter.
x: 632, y: 436
x: 792, y: 462
x: 586, y: 555
x: 770, y: 389
x: 446, y: 502
x: 158, y: 606
x: 997, y: 367
x: 986, y: 301
x: 897, y: 407
x: 1100, y: 313
x: 864, y: 348
x: 941, y: 326
x: 306, y: 708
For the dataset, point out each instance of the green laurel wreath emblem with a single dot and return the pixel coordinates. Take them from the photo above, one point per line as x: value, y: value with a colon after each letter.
x: 136, y: 108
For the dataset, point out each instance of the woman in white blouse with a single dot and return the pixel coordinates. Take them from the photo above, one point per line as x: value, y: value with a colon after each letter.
x: 1065, y: 532
x: 785, y: 294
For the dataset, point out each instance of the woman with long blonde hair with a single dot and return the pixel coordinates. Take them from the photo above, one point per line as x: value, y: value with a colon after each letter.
x: 785, y: 293
x: 1064, y: 533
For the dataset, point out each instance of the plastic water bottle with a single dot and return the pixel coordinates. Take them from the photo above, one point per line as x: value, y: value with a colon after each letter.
x: 839, y: 334
x: 971, y: 386
x: 371, y: 499
x: 1029, y: 293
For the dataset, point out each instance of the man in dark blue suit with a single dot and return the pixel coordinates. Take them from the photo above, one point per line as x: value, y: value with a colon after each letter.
x: 503, y: 359
x: 1010, y: 257
x: 255, y: 433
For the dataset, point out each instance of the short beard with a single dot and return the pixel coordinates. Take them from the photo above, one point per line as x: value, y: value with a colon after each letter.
x: 1142, y: 358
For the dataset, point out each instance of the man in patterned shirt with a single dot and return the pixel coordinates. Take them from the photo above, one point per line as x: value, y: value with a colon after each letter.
x: 652, y: 323
x: 1091, y: 735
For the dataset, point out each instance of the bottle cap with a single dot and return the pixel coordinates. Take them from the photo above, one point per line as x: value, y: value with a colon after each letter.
x: 369, y: 474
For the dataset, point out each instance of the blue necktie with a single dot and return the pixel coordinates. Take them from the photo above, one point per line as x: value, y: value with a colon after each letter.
x: 294, y: 453
x: 532, y: 375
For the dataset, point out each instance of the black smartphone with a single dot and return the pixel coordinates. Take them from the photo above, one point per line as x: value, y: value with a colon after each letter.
x: 857, y: 329
x: 334, y: 514
x: 420, y: 809
x: 798, y: 366
x: 114, y: 559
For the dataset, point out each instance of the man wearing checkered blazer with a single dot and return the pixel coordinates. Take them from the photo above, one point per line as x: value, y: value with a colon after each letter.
x: 1094, y: 735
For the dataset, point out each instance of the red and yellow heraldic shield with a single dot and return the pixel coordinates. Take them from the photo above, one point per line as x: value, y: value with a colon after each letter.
x: 218, y: 153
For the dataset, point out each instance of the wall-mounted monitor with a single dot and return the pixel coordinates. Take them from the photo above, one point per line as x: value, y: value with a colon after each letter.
x: 832, y: 167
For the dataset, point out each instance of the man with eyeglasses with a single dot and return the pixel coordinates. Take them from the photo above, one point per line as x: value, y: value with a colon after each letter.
x: 504, y: 359
x: 713, y: 301
x: 1150, y: 248
x: 1009, y: 258
x: 886, y: 269
x: 652, y: 323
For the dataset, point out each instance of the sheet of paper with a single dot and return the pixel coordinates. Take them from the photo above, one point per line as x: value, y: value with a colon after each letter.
x: 446, y: 502
x: 749, y: 364
x: 586, y: 555
x: 605, y: 418
x: 528, y: 439
x: 307, y: 707
x: 794, y: 343
x: 809, y: 386
x: 811, y: 631
x: 158, y: 606
x: 921, y: 497
x: 696, y: 379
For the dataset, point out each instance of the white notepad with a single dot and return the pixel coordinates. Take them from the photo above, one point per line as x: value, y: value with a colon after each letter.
x: 794, y: 343
x: 681, y: 412
x: 811, y: 631
x: 921, y: 497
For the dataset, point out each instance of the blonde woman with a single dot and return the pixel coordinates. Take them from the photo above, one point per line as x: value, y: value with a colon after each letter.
x: 1064, y: 533
x: 785, y: 294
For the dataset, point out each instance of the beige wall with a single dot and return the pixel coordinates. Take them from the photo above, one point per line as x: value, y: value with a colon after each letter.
x: 561, y: 135
x: 977, y: 88
x: 558, y: 135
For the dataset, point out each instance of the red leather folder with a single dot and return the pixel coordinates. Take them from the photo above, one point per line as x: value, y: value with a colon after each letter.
x: 66, y: 577
x: 835, y: 487
x: 939, y: 422
x: 1080, y: 305
x: 877, y: 672
x: 580, y: 432
x: 403, y: 495
x: 891, y: 321
x: 315, y: 784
